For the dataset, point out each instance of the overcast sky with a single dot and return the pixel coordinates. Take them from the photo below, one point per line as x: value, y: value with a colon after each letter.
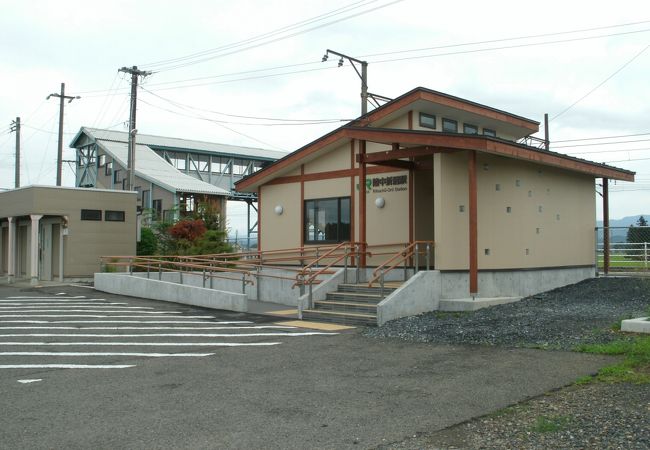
x: 200, y: 81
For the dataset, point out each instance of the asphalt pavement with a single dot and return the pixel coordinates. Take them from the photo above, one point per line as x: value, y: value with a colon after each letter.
x: 173, y: 376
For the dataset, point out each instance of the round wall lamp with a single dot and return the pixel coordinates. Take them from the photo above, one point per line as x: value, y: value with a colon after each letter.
x: 380, y: 202
x: 279, y: 210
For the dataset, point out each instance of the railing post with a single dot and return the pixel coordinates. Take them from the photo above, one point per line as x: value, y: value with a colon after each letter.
x: 428, y: 255
x: 211, y: 279
x: 130, y: 266
x: 417, y: 258
x: 357, y: 259
x: 645, y: 255
x: 180, y: 274
x: 316, y: 265
x: 310, y: 305
x: 345, y: 265
x: 204, y: 277
x: 405, y: 263
x: 243, y: 283
x: 148, y: 268
x: 159, y: 271
x: 381, y: 284
x: 258, y: 269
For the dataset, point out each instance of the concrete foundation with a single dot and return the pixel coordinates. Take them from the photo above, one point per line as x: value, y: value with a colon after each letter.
x: 172, y: 292
x: 639, y: 325
x: 421, y: 293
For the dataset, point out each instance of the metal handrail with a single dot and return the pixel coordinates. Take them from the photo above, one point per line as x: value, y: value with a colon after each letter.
x: 400, y: 257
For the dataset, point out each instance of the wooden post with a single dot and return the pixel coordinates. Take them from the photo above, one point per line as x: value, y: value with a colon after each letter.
x: 473, y: 232
x: 605, y: 226
x: 362, y: 203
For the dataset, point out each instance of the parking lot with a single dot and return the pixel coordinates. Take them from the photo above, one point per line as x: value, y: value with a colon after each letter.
x: 79, y: 369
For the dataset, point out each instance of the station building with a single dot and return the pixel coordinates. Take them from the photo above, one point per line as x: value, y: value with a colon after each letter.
x: 507, y: 216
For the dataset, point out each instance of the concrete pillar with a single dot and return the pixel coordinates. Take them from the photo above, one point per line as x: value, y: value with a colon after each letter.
x: 11, y: 250
x: 64, y: 225
x: 36, y: 218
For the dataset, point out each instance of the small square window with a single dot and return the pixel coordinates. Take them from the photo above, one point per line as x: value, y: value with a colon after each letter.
x: 530, y: 193
x: 427, y: 120
x: 116, y: 176
x: 517, y: 183
x: 497, y: 187
x: 508, y: 209
x: 114, y: 216
x: 449, y: 125
x: 108, y: 169
x: 101, y: 160
x: 540, y: 208
x: 91, y: 214
x: 487, y: 251
x: 489, y: 132
x: 461, y: 208
x: 470, y: 129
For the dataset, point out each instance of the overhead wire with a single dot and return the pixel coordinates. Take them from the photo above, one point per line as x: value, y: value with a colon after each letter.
x: 601, y: 137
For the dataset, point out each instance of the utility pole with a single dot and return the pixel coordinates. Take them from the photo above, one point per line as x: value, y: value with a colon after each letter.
x: 547, y: 142
x: 59, y: 156
x: 365, y: 95
x: 132, y: 129
x: 15, y: 126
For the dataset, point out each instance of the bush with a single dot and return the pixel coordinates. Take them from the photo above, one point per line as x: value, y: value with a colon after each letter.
x: 148, y: 244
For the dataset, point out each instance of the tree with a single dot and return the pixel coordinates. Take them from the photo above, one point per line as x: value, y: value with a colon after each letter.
x: 637, y: 235
x: 148, y: 244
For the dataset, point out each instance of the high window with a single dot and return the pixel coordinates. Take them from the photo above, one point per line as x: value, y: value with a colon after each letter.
x: 449, y: 126
x: 489, y: 132
x: 327, y: 220
x: 427, y: 120
x: 470, y: 129
x: 114, y: 216
x: 91, y: 214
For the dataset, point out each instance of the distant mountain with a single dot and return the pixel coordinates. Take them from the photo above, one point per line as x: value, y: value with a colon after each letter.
x: 619, y: 234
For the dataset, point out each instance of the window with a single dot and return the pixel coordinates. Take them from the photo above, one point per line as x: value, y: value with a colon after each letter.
x: 327, y: 220
x: 101, y: 161
x: 449, y: 126
x: 114, y: 216
x: 489, y: 132
x: 108, y: 169
x: 91, y: 214
x: 187, y: 203
x: 427, y: 120
x: 470, y: 129
x: 146, y: 198
x: 116, y: 176
x: 157, y: 209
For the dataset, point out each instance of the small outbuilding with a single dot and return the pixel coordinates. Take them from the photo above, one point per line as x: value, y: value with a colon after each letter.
x: 508, y: 216
x: 59, y: 233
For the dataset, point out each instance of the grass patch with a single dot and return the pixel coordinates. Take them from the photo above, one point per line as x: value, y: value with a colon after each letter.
x: 634, y: 368
x: 550, y: 424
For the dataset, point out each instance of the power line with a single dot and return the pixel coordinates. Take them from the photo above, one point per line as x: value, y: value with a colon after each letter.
x: 385, y: 60
x: 279, y: 38
x: 602, y: 137
x: 291, y: 121
x: 610, y: 151
x: 600, y: 143
x: 260, y: 36
x: 492, y: 41
x: 600, y: 84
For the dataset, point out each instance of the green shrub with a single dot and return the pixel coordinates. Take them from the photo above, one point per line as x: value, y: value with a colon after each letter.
x: 148, y: 244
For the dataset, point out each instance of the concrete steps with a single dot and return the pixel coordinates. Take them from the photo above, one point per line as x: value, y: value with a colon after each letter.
x: 350, y: 304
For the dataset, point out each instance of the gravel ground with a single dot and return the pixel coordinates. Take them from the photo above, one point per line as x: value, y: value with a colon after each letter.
x: 593, y: 416
x: 582, y: 313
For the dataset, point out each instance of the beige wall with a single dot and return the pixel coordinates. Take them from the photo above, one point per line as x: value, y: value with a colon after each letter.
x: 280, y: 231
x: 337, y: 159
x: 562, y: 234
x: 86, y: 241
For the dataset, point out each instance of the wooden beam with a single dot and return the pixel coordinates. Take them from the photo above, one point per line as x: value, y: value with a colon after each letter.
x: 483, y: 144
x: 362, y: 205
x: 473, y: 225
x: 605, y: 226
x: 398, y: 163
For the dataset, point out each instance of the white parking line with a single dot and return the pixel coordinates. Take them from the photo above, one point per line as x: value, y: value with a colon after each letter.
x: 55, y: 300
x: 75, y: 303
x: 152, y: 344
x: 98, y: 316
x: 115, y: 310
x: 33, y: 380
x: 64, y: 366
x: 152, y: 355
x: 236, y: 335
x: 125, y: 321
x: 260, y: 327
x: 66, y: 307
x: 28, y: 297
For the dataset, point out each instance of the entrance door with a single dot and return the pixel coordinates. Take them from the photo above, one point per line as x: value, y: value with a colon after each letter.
x: 423, y: 210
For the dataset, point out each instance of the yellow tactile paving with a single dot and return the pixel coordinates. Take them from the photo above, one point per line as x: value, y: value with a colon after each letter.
x: 315, y: 325
x: 284, y: 312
